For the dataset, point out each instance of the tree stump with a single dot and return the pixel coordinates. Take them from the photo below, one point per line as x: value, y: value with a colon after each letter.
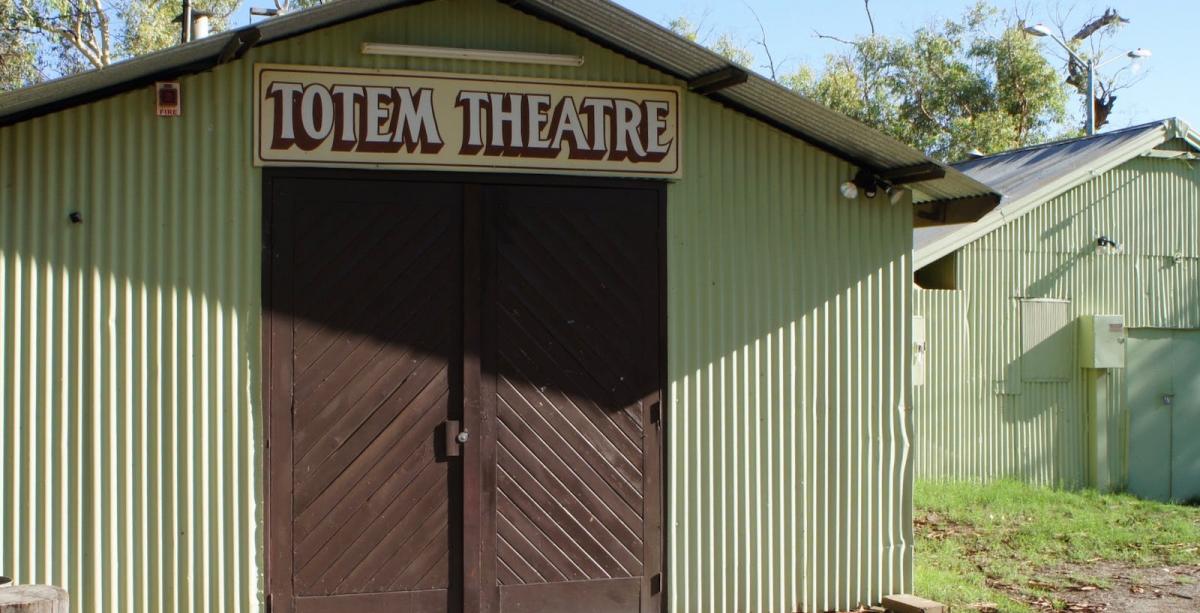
x: 33, y: 599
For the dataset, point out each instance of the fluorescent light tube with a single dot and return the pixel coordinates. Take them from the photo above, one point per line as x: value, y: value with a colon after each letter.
x: 482, y: 55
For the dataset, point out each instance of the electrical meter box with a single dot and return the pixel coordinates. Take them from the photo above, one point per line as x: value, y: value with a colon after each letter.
x: 1102, y: 341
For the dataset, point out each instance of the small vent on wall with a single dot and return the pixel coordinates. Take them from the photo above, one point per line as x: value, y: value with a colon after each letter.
x: 1047, y: 340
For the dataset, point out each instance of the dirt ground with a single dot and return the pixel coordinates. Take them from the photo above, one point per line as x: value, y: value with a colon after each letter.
x: 1114, y: 588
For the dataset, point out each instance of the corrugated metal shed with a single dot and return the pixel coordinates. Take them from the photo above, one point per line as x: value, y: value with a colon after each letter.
x: 601, y: 21
x: 131, y: 358
x: 993, y: 412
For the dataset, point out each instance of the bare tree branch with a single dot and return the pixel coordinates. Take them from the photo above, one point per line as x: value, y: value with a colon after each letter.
x: 852, y: 43
x: 762, y: 42
x: 870, y: 19
x: 1110, y: 18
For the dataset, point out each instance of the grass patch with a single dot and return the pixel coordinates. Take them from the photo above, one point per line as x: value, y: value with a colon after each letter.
x: 1012, y: 544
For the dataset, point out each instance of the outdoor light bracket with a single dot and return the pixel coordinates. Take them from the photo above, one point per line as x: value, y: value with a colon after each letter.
x: 718, y: 80
x: 912, y: 174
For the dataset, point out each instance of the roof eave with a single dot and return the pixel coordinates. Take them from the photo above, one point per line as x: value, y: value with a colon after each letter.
x: 601, y: 22
x: 192, y: 58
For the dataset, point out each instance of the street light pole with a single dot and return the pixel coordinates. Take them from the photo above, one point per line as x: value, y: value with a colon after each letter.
x: 1041, y: 30
x: 1091, y: 98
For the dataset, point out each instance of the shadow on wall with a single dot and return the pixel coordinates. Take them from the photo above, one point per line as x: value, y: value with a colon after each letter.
x: 148, y: 310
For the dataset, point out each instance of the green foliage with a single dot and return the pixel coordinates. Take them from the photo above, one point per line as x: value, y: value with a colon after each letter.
x: 49, y: 38
x: 1000, y: 542
x: 977, y: 82
x: 18, y: 62
x: 725, y: 45
x: 149, y: 27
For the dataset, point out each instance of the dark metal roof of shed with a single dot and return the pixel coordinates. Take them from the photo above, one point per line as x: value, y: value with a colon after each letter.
x: 1028, y: 177
x: 601, y: 21
x: 1020, y: 172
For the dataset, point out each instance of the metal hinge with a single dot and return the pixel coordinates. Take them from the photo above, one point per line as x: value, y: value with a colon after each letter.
x: 268, y: 609
x: 655, y: 413
x: 656, y: 584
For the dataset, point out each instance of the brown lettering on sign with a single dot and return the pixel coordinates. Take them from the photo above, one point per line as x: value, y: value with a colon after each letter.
x: 342, y: 116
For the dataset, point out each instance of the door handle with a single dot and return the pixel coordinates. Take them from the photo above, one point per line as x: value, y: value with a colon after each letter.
x: 456, y: 437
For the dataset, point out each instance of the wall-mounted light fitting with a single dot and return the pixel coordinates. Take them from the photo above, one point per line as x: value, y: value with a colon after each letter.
x: 1105, y: 244
x: 895, y: 194
x: 869, y: 185
x: 480, y: 55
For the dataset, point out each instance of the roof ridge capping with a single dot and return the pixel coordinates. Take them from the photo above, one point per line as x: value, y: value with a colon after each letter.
x: 601, y: 21
x: 1178, y: 129
x: 1137, y: 141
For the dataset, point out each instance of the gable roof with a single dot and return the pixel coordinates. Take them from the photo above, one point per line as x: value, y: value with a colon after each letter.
x: 600, y: 21
x: 1029, y: 177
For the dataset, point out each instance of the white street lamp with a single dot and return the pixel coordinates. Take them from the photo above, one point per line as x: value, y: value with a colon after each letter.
x: 1042, y: 30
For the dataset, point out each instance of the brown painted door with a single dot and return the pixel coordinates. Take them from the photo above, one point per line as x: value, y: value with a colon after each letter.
x: 365, y: 342
x: 528, y: 313
x: 572, y: 340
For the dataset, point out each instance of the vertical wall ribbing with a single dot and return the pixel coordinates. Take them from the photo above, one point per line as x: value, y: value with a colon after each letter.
x: 129, y: 344
x: 977, y: 418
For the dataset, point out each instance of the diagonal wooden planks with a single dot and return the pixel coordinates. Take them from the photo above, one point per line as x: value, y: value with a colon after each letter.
x: 573, y: 322
x: 377, y: 320
x: 569, y: 326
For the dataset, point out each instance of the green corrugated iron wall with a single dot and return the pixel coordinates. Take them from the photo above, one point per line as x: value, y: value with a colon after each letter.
x: 1040, y: 432
x: 947, y: 431
x: 788, y: 314
x: 130, y: 398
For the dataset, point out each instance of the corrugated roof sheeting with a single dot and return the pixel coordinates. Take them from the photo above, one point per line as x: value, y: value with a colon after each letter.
x: 601, y: 20
x: 1017, y: 174
x: 1026, y: 178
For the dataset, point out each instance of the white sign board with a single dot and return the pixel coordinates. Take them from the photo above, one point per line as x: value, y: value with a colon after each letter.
x: 315, y: 116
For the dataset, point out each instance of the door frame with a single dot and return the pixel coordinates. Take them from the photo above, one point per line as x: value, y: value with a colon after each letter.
x: 475, y: 600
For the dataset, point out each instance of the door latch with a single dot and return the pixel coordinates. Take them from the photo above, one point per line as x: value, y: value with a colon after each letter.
x: 456, y: 437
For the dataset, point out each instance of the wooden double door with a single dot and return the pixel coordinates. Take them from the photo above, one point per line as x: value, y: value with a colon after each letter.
x: 463, y: 387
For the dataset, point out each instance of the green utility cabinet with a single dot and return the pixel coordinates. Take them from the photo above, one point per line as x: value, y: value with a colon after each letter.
x: 1102, y: 341
x: 1163, y: 396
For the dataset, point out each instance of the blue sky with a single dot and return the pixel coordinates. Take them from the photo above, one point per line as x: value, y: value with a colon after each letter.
x: 1170, y: 86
